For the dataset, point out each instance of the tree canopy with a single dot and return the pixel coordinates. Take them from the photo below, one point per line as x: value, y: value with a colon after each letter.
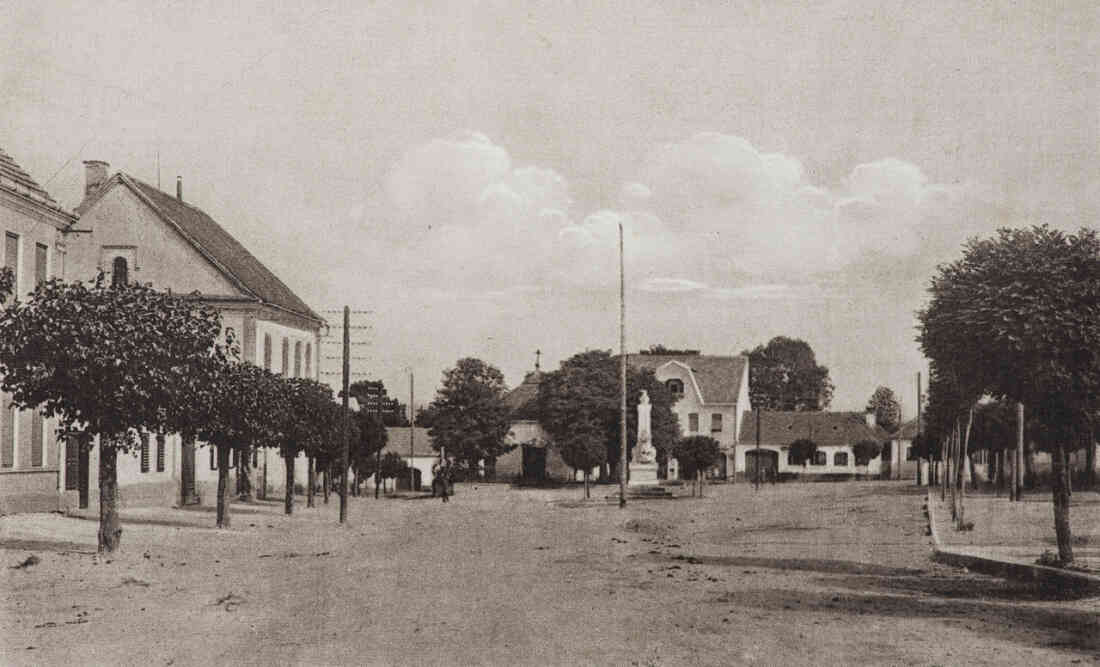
x: 866, y: 450
x: 1018, y: 317
x: 802, y: 451
x: 109, y: 361
x: 696, y: 453
x: 471, y: 418
x: 884, y: 404
x: 785, y: 375
x: 585, y: 390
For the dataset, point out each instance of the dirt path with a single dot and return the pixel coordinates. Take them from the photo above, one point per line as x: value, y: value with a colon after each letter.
x: 792, y: 574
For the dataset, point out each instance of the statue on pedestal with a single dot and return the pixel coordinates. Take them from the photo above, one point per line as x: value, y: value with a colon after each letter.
x: 644, y: 451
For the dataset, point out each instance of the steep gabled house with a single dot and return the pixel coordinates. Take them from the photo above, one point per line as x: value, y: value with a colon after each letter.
x: 31, y: 221
x: 834, y: 433
x: 713, y: 395
x: 132, y: 231
x: 534, y: 458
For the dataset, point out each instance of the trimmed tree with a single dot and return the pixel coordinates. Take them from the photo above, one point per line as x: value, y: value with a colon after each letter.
x: 802, y: 451
x: 697, y: 453
x: 865, y: 451
x: 109, y: 361
x: 472, y: 420
x: 392, y: 467
x: 884, y: 404
x: 371, y: 439
x: 305, y: 427
x: 581, y: 445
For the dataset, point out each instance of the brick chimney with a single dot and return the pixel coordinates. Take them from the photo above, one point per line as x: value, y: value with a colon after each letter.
x: 870, y: 417
x: 95, y: 175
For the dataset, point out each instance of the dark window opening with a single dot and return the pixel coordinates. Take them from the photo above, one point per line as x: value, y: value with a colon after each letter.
x: 120, y: 272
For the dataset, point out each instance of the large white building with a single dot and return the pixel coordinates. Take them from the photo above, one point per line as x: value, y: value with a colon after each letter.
x: 31, y: 460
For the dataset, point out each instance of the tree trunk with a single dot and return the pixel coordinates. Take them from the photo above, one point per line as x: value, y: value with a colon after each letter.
x: 1090, y: 462
x: 224, y: 494
x: 1028, y: 480
x: 1061, y: 506
x: 377, y: 481
x: 699, y: 476
x: 324, y: 484
x: 288, y: 505
x: 586, y: 496
x: 244, y: 475
x: 963, y: 456
x: 110, y: 527
x: 312, y: 479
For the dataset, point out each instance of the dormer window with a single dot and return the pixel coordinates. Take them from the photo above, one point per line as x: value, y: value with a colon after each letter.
x: 675, y: 387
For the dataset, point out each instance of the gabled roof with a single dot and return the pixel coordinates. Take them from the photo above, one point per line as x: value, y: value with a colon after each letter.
x: 907, y: 431
x: 824, y: 428
x: 522, y: 401
x: 211, y: 240
x: 397, y: 441
x: 718, y: 378
x: 14, y: 180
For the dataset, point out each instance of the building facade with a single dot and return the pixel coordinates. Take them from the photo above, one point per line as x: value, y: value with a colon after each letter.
x: 834, y: 433
x: 31, y: 460
x: 712, y: 395
x: 132, y: 231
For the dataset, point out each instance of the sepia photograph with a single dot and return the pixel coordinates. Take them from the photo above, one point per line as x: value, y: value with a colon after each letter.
x: 512, y: 332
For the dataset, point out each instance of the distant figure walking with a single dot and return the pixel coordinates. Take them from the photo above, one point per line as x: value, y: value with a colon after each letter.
x: 440, y: 478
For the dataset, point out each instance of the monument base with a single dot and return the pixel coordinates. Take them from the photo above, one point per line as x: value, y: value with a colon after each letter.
x: 643, y: 474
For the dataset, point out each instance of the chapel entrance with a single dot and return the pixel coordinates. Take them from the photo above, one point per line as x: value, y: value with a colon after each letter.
x: 534, y: 463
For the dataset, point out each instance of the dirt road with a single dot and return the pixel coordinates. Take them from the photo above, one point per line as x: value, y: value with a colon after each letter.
x: 793, y: 574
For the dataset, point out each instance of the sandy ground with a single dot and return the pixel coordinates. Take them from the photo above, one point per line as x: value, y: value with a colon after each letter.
x: 823, y: 574
x: 1024, y: 530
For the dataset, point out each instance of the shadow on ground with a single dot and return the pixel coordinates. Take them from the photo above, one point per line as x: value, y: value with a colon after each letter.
x: 1064, y: 628
x: 47, y: 545
x: 803, y: 564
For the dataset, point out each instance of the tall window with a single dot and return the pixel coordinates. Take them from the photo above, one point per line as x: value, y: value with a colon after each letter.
x: 160, y: 452
x: 309, y: 361
x: 267, y: 354
x: 716, y: 422
x: 11, y: 258
x: 145, y: 453
x: 36, y: 438
x: 820, y: 458
x: 297, y: 358
x: 286, y: 356
x: 840, y: 459
x: 40, y: 254
x: 693, y: 423
x: 120, y: 272
x: 675, y: 387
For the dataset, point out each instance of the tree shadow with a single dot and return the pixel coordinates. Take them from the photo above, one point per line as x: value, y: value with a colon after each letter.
x: 959, y: 587
x: 823, y: 565
x: 48, y: 545
x: 1068, y: 628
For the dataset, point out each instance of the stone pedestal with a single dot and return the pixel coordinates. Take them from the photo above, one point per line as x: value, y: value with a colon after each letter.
x: 642, y: 474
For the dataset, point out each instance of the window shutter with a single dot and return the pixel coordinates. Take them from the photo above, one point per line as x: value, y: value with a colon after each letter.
x: 160, y: 452
x: 145, y: 453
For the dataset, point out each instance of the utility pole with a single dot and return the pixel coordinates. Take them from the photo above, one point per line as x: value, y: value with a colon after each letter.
x: 622, y: 374
x: 344, y: 414
x: 412, y: 431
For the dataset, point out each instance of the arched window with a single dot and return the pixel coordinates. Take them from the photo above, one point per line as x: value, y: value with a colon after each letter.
x: 286, y: 357
x: 840, y: 459
x: 309, y: 361
x: 267, y: 352
x: 675, y: 387
x: 120, y: 272
x: 297, y: 358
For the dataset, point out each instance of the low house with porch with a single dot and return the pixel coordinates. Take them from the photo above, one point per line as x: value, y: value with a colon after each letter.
x: 834, y: 433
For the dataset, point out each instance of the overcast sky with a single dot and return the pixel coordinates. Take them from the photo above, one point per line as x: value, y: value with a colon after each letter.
x: 460, y: 169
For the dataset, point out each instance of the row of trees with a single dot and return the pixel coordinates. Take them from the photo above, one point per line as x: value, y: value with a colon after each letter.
x: 113, y: 362
x: 1017, y: 319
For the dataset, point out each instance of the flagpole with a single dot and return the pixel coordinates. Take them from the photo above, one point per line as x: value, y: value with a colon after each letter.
x: 622, y: 375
